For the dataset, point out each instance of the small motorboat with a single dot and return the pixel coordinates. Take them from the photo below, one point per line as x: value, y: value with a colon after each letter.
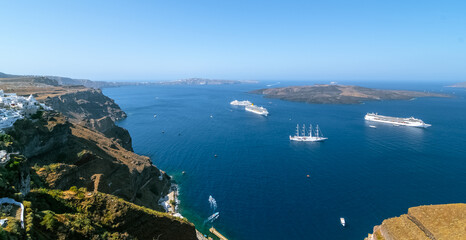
x: 343, y: 223
x: 155, y: 115
x: 372, y: 126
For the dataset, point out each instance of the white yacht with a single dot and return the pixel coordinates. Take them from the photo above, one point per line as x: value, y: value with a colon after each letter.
x: 342, y: 221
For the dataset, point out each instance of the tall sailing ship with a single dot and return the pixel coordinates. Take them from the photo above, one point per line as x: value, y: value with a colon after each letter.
x: 313, y: 136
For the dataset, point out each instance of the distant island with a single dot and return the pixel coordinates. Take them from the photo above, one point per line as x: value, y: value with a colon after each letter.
x: 339, y: 94
x: 203, y: 81
x: 459, y: 85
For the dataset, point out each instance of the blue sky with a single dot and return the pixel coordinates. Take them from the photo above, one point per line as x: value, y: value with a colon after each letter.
x: 262, y: 40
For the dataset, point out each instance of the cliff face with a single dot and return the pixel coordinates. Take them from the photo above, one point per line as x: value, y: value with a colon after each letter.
x: 432, y: 222
x: 75, y: 146
x: 86, y: 104
x: 68, y: 154
x: 15, y: 176
x: 94, y: 110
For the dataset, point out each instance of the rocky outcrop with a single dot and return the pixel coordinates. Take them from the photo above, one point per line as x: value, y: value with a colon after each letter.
x: 433, y: 222
x: 69, y: 154
x: 91, y: 108
x: 107, y: 126
x: 86, y: 104
x: 40, y: 136
x: 15, y: 176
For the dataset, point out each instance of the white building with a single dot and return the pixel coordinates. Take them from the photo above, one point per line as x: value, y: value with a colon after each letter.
x: 13, y: 107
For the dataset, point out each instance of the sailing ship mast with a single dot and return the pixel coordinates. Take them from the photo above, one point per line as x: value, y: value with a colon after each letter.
x: 304, y: 130
x: 310, y: 130
x: 317, y: 131
x: 297, y: 130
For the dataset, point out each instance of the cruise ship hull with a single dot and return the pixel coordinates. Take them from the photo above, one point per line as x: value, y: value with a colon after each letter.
x: 409, y: 122
x: 260, y: 111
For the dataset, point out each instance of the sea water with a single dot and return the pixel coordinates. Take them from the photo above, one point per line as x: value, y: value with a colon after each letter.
x: 259, y: 178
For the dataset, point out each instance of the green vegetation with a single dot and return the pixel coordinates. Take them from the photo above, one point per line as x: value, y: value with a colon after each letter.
x: 5, y: 141
x: 52, y: 168
x: 49, y: 221
x: 12, y: 231
x: 74, y: 189
x: 173, y: 203
x: 37, y: 115
x: 10, y: 176
x: 82, y: 153
x: 76, y: 213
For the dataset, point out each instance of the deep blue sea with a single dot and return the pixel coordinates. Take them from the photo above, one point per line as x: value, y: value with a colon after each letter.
x: 259, y: 177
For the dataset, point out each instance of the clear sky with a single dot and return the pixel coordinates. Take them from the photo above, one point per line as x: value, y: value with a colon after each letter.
x: 260, y: 40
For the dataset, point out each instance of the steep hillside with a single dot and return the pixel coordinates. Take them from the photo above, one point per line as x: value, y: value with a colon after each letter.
x: 78, y: 214
x: 77, y: 146
x: 67, y: 154
x: 86, y: 106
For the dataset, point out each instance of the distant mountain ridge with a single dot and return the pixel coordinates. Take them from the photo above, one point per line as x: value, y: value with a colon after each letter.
x: 203, y: 81
x: 66, y: 81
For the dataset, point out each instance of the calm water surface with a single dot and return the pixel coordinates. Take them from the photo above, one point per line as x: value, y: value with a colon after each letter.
x: 259, y: 177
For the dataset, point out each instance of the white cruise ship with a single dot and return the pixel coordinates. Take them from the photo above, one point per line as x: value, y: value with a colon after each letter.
x: 317, y: 137
x: 410, y: 122
x: 241, y: 103
x: 257, y: 110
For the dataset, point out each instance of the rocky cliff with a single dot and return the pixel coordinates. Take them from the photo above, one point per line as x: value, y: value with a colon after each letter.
x: 68, y: 154
x: 91, y: 108
x: 78, y: 146
x: 433, y: 222
x: 86, y: 106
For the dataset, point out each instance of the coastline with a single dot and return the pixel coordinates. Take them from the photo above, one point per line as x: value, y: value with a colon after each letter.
x: 170, y: 202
